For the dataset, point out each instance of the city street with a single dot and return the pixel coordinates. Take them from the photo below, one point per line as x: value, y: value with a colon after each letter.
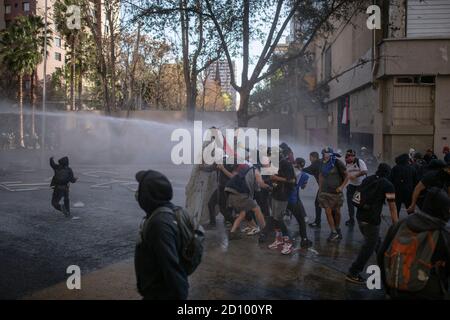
x: 37, y: 244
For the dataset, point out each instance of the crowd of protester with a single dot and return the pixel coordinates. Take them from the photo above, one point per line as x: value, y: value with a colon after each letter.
x: 413, y: 256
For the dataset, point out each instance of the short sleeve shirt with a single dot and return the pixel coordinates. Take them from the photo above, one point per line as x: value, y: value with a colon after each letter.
x: 385, y: 190
x: 353, y: 169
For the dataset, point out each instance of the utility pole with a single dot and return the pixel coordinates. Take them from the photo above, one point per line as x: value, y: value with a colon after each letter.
x: 44, y: 88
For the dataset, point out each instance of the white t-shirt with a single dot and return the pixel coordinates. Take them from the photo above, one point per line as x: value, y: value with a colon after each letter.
x: 353, y: 170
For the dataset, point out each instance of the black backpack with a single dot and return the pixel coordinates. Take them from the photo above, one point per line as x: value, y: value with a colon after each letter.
x: 191, y: 238
x: 365, y: 194
x: 62, y: 176
x: 238, y: 183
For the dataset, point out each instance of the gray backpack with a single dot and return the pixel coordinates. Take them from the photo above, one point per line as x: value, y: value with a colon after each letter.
x: 191, y: 239
x: 407, y: 261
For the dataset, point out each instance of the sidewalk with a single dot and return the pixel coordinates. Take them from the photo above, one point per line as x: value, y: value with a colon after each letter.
x: 115, y: 282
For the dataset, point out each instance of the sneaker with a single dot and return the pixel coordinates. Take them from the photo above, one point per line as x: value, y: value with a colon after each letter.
x: 333, y: 236
x: 276, y: 244
x: 247, y: 229
x: 315, y: 225
x: 350, y: 222
x: 339, y: 234
x: 64, y: 211
x: 253, y: 231
x: 234, y: 236
x: 288, y: 247
x: 355, y: 279
x: 306, y: 243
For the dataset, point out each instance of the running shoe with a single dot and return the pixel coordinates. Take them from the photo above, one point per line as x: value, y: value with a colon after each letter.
x: 253, y: 231
x: 306, y: 243
x: 357, y: 279
x: 288, y: 248
x: 276, y: 244
x: 333, y: 236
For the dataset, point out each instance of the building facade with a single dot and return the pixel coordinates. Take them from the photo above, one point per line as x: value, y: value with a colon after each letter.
x: 389, y: 88
x: 218, y: 81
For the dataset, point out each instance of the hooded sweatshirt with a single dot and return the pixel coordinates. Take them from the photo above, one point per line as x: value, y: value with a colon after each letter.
x: 61, y: 169
x: 404, y: 176
x: 159, y: 273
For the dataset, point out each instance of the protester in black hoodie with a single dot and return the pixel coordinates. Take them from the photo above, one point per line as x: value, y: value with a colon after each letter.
x: 419, y: 165
x: 404, y: 178
x: 434, y: 216
x: 159, y: 274
x: 63, y: 175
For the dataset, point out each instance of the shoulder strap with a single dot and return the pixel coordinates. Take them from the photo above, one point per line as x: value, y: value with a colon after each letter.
x: 147, y: 220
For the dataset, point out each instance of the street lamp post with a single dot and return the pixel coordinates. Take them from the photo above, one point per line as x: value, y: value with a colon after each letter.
x: 44, y: 87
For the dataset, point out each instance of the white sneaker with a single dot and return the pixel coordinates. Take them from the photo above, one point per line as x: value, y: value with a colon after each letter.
x: 247, y: 229
x: 253, y: 231
x: 276, y: 244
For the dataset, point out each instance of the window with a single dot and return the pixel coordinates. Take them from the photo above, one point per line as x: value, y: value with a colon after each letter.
x: 58, y: 56
x: 27, y: 84
x: 415, y: 80
x: 327, y: 66
x: 58, y: 42
x: 7, y: 8
x: 26, y: 6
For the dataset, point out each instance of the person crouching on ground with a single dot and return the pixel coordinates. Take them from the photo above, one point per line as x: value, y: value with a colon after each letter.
x: 63, y: 175
x: 159, y: 273
x: 375, y: 189
x: 332, y: 180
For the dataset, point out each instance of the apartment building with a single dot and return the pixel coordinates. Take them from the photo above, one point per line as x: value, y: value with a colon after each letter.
x: 389, y: 89
x: 218, y: 78
x: 57, y: 52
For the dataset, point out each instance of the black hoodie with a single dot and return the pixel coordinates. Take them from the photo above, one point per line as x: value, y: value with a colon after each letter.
x: 61, y: 169
x: 159, y: 273
x: 403, y: 176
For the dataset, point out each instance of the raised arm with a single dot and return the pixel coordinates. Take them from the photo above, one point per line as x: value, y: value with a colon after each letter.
x: 53, y: 164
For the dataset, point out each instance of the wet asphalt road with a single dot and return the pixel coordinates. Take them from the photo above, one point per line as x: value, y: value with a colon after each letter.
x: 37, y: 244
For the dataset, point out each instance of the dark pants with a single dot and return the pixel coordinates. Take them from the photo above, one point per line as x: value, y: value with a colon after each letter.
x: 60, y: 192
x: 351, y: 189
x: 371, y: 234
x: 219, y: 197
x: 403, y: 198
x: 262, y: 198
x: 298, y: 210
x: 318, y: 219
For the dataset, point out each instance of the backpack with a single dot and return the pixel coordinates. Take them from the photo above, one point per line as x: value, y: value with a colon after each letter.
x: 191, y: 238
x: 407, y: 260
x: 238, y: 182
x: 62, y: 176
x: 365, y: 195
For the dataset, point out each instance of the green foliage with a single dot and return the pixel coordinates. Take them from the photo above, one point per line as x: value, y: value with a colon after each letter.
x: 22, y: 44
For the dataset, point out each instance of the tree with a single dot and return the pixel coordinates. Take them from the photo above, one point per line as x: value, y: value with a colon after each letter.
x: 71, y: 36
x: 248, y: 18
x: 22, y: 49
x: 199, y: 46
